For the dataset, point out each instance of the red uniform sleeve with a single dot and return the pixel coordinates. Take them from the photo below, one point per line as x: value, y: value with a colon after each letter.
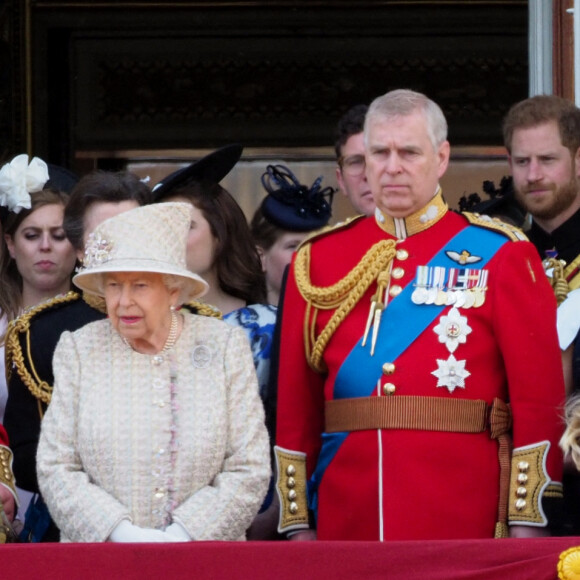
x: 525, y: 325
x: 3, y: 436
x: 300, y: 407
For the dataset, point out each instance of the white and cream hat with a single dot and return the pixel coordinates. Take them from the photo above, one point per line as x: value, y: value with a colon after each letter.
x: 151, y: 238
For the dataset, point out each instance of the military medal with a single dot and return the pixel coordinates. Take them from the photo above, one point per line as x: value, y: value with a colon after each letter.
x: 469, y: 299
x: 419, y: 295
x: 451, y: 373
x: 431, y: 295
x: 441, y: 299
x: 452, y: 329
x: 439, y: 284
x: 451, y: 298
x: 459, y: 298
x: 479, y: 297
x: 480, y: 289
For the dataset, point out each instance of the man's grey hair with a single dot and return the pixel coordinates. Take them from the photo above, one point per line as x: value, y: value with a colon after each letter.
x: 403, y: 102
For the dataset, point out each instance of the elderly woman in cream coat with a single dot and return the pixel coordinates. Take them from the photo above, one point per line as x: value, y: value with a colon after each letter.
x: 155, y: 431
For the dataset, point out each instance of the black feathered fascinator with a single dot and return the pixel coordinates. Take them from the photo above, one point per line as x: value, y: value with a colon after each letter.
x: 292, y: 206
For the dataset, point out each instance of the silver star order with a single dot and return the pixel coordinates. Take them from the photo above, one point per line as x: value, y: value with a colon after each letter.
x: 453, y: 329
x: 451, y: 373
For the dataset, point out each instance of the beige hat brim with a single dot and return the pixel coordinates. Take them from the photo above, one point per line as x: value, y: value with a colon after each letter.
x: 91, y: 280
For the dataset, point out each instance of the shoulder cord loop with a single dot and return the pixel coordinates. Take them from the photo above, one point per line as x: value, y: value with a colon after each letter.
x: 15, y: 357
x: 343, y: 296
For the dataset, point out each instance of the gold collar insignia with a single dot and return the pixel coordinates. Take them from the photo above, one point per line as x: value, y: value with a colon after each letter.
x: 416, y: 222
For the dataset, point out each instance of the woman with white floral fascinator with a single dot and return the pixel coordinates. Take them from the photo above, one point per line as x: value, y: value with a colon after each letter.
x: 155, y: 431
x: 36, y: 259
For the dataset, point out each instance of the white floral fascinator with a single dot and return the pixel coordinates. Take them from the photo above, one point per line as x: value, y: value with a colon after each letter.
x: 18, y: 179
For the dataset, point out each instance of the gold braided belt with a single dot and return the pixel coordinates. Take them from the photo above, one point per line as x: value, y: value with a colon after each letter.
x: 419, y: 413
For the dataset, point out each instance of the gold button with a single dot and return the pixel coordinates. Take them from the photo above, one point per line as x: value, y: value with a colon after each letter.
x: 402, y: 254
x: 292, y: 495
x: 290, y: 470
x: 521, y: 504
x: 523, y: 466
x: 290, y: 483
x: 395, y: 290
x: 397, y: 273
x: 522, y: 478
x: 388, y: 368
x: 389, y: 388
x: 521, y: 492
x: 293, y: 507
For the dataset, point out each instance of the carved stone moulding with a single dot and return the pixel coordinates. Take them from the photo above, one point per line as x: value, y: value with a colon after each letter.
x: 132, y: 93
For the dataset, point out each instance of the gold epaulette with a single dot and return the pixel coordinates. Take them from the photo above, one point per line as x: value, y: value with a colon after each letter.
x: 512, y: 232
x: 203, y: 309
x: 96, y: 302
x: 15, y: 357
x: 563, y: 277
x: 572, y: 273
x: 6, y: 473
x: 316, y: 234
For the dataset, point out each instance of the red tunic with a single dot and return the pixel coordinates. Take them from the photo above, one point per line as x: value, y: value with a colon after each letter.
x: 411, y: 484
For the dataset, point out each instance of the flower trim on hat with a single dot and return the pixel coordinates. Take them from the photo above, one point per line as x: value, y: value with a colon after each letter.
x: 97, y: 251
x: 18, y: 179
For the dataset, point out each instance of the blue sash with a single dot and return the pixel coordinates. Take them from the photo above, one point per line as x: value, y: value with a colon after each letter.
x: 402, y: 322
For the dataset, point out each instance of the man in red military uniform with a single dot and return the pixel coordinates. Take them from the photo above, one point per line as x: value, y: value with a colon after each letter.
x: 404, y: 336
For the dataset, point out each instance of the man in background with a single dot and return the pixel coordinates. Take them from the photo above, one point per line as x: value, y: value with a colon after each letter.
x: 542, y: 137
x: 350, y: 155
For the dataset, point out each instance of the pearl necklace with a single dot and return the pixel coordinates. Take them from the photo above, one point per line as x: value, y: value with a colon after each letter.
x: 169, y: 343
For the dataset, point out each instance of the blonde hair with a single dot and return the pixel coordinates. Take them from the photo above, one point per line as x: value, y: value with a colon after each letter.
x: 570, y: 441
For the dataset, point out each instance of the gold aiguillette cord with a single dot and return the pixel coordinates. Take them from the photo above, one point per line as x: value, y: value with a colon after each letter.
x: 376, y: 310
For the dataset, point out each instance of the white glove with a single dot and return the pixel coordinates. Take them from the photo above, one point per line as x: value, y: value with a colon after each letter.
x: 177, y: 533
x: 125, y: 531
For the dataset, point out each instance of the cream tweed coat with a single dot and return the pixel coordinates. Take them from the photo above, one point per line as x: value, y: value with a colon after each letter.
x: 106, y: 450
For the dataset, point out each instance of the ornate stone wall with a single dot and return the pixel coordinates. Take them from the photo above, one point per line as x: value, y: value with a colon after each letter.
x: 108, y: 76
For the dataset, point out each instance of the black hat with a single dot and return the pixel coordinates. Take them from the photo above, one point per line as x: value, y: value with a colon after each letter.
x: 292, y: 206
x: 210, y: 169
x: 61, y: 178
